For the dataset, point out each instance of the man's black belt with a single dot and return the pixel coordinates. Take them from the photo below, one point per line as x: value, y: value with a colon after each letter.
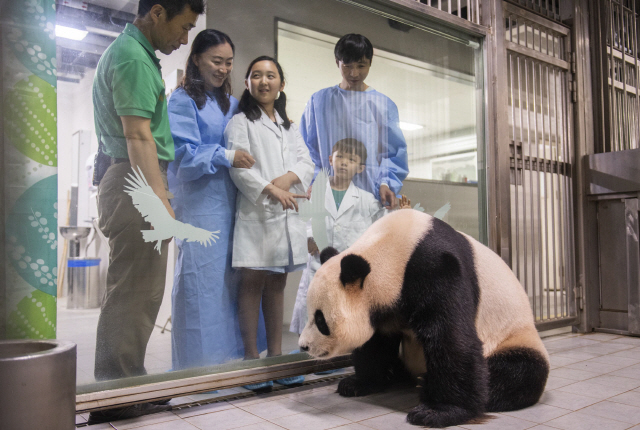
x: 163, y: 163
x: 103, y: 161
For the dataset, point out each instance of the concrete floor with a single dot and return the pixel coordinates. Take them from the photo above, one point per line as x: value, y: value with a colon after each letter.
x: 594, y: 384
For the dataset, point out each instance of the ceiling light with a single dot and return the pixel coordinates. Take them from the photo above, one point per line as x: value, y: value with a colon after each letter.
x: 70, y: 33
x: 407, y: 126
x: 103, y: 32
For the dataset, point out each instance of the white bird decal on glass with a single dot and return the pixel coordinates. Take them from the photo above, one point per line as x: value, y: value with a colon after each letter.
x: 418, y: 208
x: 440, y: 213
x: 314, y: 209
x: 153, y: 210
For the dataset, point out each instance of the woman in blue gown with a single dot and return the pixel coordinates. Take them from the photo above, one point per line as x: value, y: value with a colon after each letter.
x: 204, y: 319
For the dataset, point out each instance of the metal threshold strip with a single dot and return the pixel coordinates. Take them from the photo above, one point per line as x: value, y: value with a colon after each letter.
x: 557, y: 323
x: 180, y: 387
x: 248, y: 394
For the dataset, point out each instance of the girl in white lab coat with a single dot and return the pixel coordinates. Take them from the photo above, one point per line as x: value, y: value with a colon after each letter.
x: 269, y: 238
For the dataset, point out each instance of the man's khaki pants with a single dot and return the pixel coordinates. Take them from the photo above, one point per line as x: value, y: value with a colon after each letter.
x: 135, y: 281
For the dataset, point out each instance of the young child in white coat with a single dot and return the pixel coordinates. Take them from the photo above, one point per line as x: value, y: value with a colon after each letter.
x: 270, y: 240
x: 350, y: 211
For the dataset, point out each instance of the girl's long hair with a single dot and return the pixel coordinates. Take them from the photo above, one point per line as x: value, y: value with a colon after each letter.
x: 250, y: 107
x: 193, y: 82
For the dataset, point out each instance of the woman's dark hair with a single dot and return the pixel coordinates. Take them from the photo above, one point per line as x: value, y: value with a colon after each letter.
x: 173, y: 7
x: 193, y: 82
x: 250, y: 107
x: 353, y: 47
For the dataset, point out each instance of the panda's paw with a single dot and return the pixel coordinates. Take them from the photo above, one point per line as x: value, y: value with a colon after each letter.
x: 440, y: 416
x: 351, y: 387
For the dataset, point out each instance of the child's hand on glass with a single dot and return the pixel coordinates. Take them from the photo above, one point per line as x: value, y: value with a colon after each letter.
x: 405, y: 202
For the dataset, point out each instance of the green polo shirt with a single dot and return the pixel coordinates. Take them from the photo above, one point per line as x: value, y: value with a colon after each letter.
x: 128, y: 82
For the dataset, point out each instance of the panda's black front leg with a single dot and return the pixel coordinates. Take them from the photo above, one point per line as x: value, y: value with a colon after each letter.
x: 377, y: 366
x: 454, y: 388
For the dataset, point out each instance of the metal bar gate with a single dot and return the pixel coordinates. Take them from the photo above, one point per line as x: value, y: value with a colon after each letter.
x: 465, y: 9
x: 541, y: 163
x: 616, y: 44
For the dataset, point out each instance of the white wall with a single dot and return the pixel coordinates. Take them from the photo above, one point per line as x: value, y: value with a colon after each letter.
x: 251, y: 24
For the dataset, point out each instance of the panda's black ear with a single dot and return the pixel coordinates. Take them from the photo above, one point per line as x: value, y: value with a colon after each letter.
x: 352, y: 268
x: 327, y: 253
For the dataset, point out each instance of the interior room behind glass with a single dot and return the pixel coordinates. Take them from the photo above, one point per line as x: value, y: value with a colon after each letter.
x: 432, y: 78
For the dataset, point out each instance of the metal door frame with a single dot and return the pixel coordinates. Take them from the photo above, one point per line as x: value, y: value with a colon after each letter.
x: 512, y: 162
x: 596, y: 112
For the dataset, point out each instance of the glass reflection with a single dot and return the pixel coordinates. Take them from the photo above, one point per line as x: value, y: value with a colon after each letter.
x: 387, y: 113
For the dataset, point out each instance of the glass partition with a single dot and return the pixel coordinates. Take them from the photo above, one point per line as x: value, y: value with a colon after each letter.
x: 228, y: 292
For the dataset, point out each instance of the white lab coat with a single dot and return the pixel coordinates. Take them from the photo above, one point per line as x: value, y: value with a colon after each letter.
x: 358, y: 210
x: 262, y: 226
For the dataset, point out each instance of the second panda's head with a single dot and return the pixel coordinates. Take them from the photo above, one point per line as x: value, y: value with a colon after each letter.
x: 337, y: 306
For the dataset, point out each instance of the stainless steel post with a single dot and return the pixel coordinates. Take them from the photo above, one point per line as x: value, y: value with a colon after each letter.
x: 38, y: 388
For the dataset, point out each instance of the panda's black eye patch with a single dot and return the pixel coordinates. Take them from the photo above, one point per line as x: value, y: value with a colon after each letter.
x: 321, y: 323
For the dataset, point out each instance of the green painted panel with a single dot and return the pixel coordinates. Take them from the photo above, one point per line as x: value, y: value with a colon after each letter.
x: 31, y: 120
x: 33, y: 318
x: 31, y: 235
x: 30, y: 125
x: 32, y: 36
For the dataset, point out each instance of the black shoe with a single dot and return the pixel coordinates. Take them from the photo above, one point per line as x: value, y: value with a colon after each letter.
x: 126, y: 412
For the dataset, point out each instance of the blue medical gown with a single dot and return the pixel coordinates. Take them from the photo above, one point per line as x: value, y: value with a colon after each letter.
x: 333, y: 114
x: 204, y: 317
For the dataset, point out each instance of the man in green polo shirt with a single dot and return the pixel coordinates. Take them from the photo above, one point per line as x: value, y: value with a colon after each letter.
x: 132, y: 125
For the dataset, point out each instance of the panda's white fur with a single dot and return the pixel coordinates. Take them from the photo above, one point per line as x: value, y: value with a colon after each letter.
x: 504, y: 312
x: 353, y: 303
x: 369, y: 305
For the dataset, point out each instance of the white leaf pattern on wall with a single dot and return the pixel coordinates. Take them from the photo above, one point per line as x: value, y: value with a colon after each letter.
x: 30, y: 166
x: 31, y: 232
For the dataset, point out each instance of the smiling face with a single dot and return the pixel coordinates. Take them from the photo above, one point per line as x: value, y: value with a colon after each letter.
x: 354, y: 74
x: 168, y: 35
x: 215, y: 65
x: 264, y: 82
x: 345, y: 165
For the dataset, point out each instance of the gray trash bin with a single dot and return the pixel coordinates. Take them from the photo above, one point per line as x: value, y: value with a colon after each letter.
x: 84, y: 288
x: 38, y: 385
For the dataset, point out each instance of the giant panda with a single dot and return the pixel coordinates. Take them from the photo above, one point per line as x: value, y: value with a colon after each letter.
x: 463, y: 319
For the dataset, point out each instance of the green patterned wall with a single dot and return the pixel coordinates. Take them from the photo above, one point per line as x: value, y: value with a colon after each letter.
x: 30, y: 168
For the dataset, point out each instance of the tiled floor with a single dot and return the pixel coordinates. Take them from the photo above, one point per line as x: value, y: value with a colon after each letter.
x: 594, y: 384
